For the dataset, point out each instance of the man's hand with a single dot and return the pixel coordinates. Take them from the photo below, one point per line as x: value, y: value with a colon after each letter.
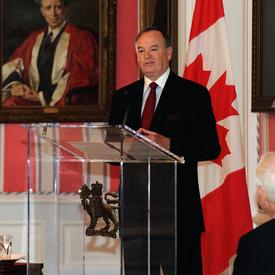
x: 31, y: 95
x: 159, y: 139
x: 19, y: 89
x: 24, y: 91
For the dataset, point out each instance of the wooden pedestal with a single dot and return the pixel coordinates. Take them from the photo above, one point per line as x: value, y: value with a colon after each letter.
x: 21, y: 269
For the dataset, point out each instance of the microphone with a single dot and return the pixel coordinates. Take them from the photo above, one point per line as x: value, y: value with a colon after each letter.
x: 125, y: 118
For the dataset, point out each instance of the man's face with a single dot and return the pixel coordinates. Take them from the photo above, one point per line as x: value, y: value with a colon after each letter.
x: 53, y: 12
x: 152, y: 55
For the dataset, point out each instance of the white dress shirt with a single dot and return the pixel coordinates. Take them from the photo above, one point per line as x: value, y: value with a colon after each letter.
x: 161, y: 83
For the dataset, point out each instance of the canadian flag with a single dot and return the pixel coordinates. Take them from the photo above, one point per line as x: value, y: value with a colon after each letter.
x: 222, y: 181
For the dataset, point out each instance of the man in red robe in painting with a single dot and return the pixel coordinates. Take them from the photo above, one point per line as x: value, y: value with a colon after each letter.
x: 52, y: 63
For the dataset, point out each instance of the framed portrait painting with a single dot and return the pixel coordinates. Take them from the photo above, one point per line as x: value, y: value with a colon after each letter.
x: 263, y: 56
x: 57, y: 60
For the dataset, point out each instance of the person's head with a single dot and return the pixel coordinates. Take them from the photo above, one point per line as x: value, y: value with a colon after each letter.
x: 265, y: 175
x: 153, y: 51
x: 53, y: 11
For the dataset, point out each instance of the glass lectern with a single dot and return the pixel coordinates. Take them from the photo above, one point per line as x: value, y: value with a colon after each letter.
x: 101, y: 200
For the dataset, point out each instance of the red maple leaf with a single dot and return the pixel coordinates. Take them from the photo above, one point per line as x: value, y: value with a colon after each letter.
x: 222, y: 96
x: 222, y: 132
x: 196, y: 73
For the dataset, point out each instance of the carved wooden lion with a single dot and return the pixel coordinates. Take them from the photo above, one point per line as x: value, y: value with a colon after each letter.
x: 92, y: 202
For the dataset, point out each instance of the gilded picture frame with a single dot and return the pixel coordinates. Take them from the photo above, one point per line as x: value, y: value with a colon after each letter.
x: 21, y: 18
x: 263, y: 56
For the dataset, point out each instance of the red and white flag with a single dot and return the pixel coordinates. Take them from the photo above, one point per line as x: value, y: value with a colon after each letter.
x: 222, y: 181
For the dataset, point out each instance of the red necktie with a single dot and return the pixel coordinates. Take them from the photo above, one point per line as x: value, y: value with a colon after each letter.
x: 149, y: 107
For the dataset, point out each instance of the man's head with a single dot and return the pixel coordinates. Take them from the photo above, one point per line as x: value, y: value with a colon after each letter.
x: 53, y: 11
x: 265, y: 174
x: 153, y: 52
x: 65, y: 2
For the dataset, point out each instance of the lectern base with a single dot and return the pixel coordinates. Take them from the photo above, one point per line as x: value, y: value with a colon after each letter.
x: 21, y: 269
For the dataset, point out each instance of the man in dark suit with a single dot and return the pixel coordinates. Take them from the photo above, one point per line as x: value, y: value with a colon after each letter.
x: 256, y: 249
x: 184, y: 123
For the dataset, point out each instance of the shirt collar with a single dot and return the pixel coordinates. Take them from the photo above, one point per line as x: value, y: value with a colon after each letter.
x: 160, y: 81
x: 57, y: 30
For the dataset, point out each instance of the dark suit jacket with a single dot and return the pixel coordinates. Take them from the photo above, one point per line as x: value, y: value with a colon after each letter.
x: 256, y: 251
x: 184, y: 114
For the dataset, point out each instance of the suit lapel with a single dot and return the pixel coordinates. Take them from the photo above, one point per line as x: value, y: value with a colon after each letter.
x: 164, y: 102
x: 135, y: 97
